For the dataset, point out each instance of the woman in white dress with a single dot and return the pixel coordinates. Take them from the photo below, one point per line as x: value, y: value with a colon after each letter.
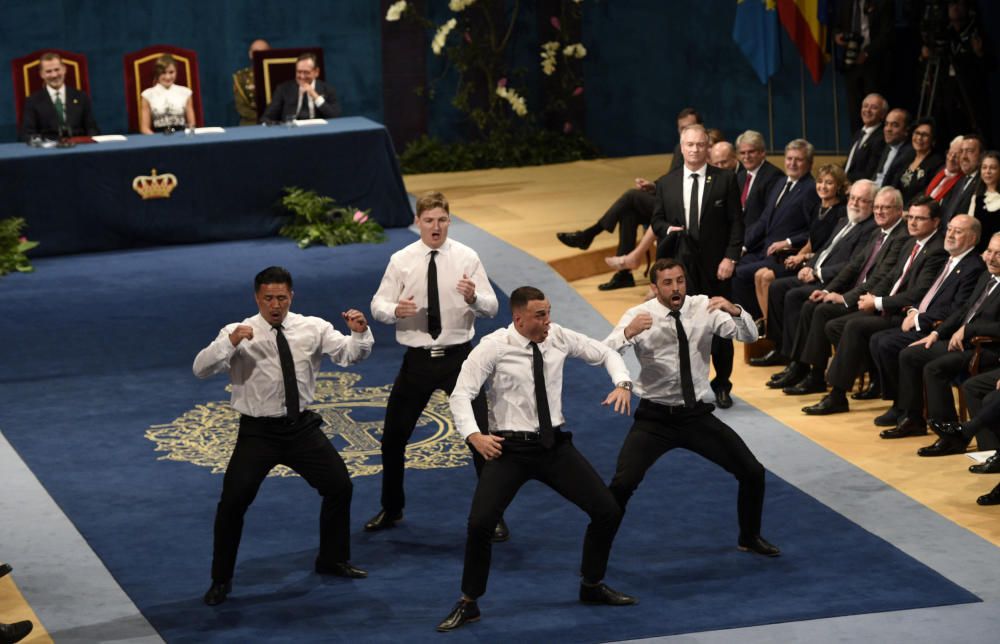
x: 985, y: 205
x: 166, y: 106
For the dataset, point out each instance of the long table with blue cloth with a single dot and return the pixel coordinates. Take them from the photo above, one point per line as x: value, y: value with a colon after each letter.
x: 226, y: 185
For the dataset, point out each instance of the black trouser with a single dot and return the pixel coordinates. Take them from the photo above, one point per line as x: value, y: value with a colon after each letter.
x: 419, y: 377
x: 983, y: 399
x: 633, y: 209
x: 658, y: 429
x: 811, y: 344
x: 262, y: 444
x: 785, y: 297
x: 564, y: 470
x: 851, y: 335
x: 885, y: 347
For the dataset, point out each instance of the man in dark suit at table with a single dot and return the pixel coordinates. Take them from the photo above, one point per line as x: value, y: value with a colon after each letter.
x: 306, y: 97
x: 56, y: 110
x: 699, y: 206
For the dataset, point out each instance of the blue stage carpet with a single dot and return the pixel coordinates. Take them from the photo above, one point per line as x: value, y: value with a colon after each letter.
x: 98, y: 352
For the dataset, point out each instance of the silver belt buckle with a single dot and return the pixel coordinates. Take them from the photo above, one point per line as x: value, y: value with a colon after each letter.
x: 437, y: 352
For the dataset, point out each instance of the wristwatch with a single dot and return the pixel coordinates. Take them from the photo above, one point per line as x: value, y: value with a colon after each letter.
x: 625, y: 384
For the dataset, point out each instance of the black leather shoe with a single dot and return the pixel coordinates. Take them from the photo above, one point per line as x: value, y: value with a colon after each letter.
x: 808, y: 385
x: 463, y: 613
x: 770, y: 359
x: 944, y: 446
x: 990, y: 466
x: 603, y: 594
x: 341, y: 569
x: 218, y: 592
x: 621, y: 279
x: 990, y: 498
x: 949, y: 428
x: 907, y: 427
x: 10, y: 633
x: 383, y: 520
x: 578, y: 239
x: 828, y: 405
x: 872, y: 392
x: 4, y: 570
x: 793, y: 375
x: 890, y: 418
x: 723, y: 399
x: 758, y: 545
x: 501, y: 532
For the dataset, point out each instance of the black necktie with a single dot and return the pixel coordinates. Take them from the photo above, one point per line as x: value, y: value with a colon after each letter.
x: 784, y: 191
x: 304, y: 107
x: 433, y: 301
x: 693, y: 208
x: 687, y: 382
x: 288, y: 376
x: 542, y: 398
x: 987, y: 291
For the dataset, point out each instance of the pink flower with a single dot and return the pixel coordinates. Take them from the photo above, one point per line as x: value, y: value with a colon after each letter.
x: 554, y: 21
x: 468, y: 37
x: 502, y: 82
x: 22, y: 239
x: 360, y: 217
x: 567, y: 127
x: 577, y: 91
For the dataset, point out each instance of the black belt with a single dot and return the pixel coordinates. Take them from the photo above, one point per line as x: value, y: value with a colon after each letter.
x: 440, y: 352
x: 520, y: 436
x: 668, y: 409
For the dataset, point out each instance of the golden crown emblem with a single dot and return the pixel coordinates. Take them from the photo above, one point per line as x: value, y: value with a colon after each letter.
x: 155, y: 186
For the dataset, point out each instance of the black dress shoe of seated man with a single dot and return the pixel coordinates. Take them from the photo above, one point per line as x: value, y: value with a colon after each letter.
x: 906, y: 427
x: 890, y: 418
x: 217, y: 592
x: 809, y: 385
x: 952, y: 429
x: 944, y: 446
x: 5, y: 569
x: 465, y: 611
x: 578, y: 239
x: 770, y: 359
x: 601, y: 593
x: 990, y: 466
x: 10, y: 633
x: 793, y: 375
x: 828, y: 405
x: 872, y: 392
x: 383, y: 520
x: 621, y: 279
x: 990, y: 498
x: 501, y: 532
x: 340, y: 569
x: 758, y: 545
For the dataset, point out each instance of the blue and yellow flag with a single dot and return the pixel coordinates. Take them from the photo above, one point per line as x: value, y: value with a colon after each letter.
x: 755, y: 31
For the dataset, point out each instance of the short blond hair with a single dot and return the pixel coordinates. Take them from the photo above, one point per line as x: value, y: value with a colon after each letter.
x: 430, y: 201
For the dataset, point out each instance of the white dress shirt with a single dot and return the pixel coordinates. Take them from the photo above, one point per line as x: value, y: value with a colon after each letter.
x: 656, y: 348
x: 890, y: 156
x: 912, y: 257
x: 949, y: 266
x: 867, y: 129
x: 702, y: 172
x: 503, y: 360
x: 167, y: 105
x: 255, y: 369
x: 57, y: 93
x: 406, y: 276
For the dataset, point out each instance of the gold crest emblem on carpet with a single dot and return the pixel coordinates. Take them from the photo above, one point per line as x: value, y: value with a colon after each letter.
x: 353, y: 417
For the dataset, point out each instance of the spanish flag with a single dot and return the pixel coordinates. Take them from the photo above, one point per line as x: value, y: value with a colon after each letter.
x: 806, y: 28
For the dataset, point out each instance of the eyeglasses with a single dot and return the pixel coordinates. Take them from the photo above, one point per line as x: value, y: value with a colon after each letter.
x: 917, y: 218
x: 885, y: 208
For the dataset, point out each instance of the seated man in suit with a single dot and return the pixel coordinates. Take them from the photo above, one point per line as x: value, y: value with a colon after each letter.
x: 723, y: 155
x: 971, y: 157
x: 947, y: 175
x: 868, y: 143
x: 897, y: 147
x: 306, y: 97
x: 56, y: 110
x: 784, y: 224
x: 755, y: 175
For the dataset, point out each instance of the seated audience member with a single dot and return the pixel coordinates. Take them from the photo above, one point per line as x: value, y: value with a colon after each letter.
x: 633, y: 209
x: 869, y: 267
x: 931, y: 363
x: 962, y: 271
x: 166, y: 106
x: 831, y: 184
x: 948, y: 174
x: 56, y: 110
x: 921, y: 162
x: 723, y: 155
x: 755, y: 176
x: 782, y: 227
x: 306, y: 97
x: 985, y: 206
x: 896, y: 132
x: 960, y: 198
x: 244, y: 92
x: 869, y: 141
x: 786, y: 295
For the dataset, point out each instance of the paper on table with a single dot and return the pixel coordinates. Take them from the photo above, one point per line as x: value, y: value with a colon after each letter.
x: 301, y: 122
x: 980, y: 457
x: 105, y: 138
x: 209, y: 130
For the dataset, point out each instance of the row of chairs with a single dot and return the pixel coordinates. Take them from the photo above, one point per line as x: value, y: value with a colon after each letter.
x: 270, y: 69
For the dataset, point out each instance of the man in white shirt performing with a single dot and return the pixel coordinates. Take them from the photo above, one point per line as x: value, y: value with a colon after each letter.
x: 433, y: 290
x: 272, y: 359
x: 672, y: 337
x: 523, y: 366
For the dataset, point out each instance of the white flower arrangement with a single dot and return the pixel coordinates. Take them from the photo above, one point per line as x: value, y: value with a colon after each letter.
x: 549, y: 50
x: 575, y: 51
x: 992, y: 201
x: 395, y: 11
x: 516, y: 101
x: 442, y: 34
x: 460, y: 5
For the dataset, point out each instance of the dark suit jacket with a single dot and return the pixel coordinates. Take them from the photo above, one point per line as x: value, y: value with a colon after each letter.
x: 764, y: 178
x: 987, y: 319
x: 790, y: 219
x: 285, y: 104
x: 895, y: 168
x: 39, y: 116
x: 845, y: 249
x: 866, y: 158
x: 958, y: 200
x: 885, y: 261
x: 881, y: 25
x: 954, y: 291
x: 720, y: 226
x: 916, y: 182
x: 923, y: 270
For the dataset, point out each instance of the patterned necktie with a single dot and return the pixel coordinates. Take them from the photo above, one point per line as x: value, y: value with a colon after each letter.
x: 548, y: 435
x: 906, y: 269
x: 929, y: 296
x: 987, y: 290
x: 746, y: 189
x: 687, y: 381
x: 871, y: 259
x: 60, y: 110
x: 288, y: 375
x: 433, y: 301
x: 693, y: 208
